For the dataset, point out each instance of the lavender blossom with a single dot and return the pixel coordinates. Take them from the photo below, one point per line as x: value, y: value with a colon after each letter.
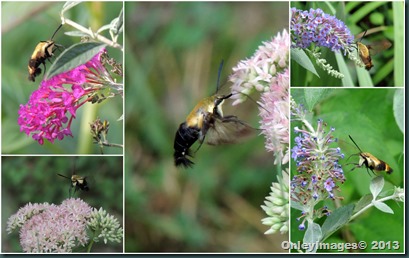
x: 324, y: 30
x: 53, y: 106
x: 319, y: 171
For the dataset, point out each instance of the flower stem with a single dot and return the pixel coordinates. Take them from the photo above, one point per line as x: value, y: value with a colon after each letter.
x: 91, y: 33
x: 369, y: 206
x: 90, y: 245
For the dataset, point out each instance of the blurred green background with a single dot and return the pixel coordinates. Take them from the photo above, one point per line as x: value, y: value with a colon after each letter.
x: 35, y: 180
x: 37, y: 21
x: 173, y: 52
x: 368, y: 115
x: 383, y: 20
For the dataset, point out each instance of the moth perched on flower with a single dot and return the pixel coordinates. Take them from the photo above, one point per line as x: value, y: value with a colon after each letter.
x: 366, y: 51
x: 53, y: 106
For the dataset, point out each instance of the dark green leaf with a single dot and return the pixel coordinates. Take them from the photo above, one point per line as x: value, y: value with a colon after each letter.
x: 74, y: 56
x: 337, y: 219
x: 302, y: 59
x: 363, y: 202
x: 313, y: 96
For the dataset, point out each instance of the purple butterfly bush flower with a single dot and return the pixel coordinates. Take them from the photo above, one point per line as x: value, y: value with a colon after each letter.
x: 324, y: 30
x: 317, y: 162
x: 53, y: 106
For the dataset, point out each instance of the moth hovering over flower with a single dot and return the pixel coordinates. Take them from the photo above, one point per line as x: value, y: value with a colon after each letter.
x: 42, y: 52
x: 206, y: 122
x: 366, y: 51
x: 77, y: 182
x: 370, y: 161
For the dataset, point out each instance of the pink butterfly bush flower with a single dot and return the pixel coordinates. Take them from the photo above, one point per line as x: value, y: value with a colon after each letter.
x: 52, y: 107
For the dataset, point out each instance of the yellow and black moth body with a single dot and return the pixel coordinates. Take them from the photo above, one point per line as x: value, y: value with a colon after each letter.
x: 42, y: 52
x: 363, y: 51
x: 206, y: 122
x: 370, y: 161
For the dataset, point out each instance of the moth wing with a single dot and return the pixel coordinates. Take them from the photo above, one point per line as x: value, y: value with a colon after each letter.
x: 378, y: 46
x: 227, y: 130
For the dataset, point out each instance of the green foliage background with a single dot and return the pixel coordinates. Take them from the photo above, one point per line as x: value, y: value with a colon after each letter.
x: 387, y: 18
x: 37, y: 21
x: 367, y: 115
x: 173, y: 51
x: 35, y: 180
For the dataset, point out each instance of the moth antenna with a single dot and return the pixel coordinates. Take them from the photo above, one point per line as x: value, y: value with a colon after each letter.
x: 74, y: 165
x: 218, y: 75
x: 357, y: 154
x: 63, y: 176
x: 355, y: 143
x: 363, y: 35
x: 59, y: 27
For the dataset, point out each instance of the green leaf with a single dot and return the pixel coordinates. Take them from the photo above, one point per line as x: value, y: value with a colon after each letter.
x: 398, y: 108
x: 376, y: 186
x: 74, y: 56
x: 337, y: 219
x: 312, y: 235
x: 68, y: 5
x: 364, y: 78
x: 299, y: 56
x: 399, y: 42
x: 343, y: 68
x: 315, y: 95
x: 363, y: 202
x: 76, y: 33
x: 382, y: 207
x: 296, y: 205
x: 117, y: 24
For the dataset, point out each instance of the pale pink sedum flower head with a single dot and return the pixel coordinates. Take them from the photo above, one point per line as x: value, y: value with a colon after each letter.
x: 274, y: 113
x: 52, y: 228
x: 259, y: 72
x: 267, y: 72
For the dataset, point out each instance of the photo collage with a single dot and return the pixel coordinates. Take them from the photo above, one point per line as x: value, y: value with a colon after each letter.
x: 143, y: 127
